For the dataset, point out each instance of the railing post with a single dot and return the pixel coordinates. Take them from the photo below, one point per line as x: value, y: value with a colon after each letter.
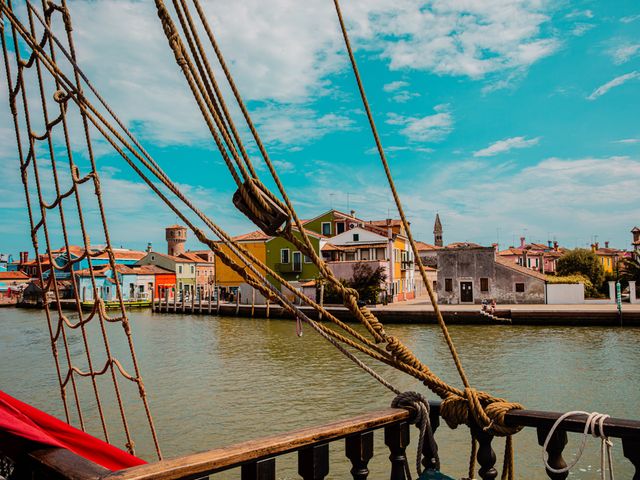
x: 631, y: 450
x: 260, y: 470
x: 556, y: 445
x: 486, y: 456
x: 429, y: 456
x: 359, y: 449
x: 396, y: 437
x: 313, y: 462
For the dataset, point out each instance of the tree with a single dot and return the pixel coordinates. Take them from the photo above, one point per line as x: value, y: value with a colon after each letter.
x: 366, y: 280
x: 631, y: 269
x: 582, y: 262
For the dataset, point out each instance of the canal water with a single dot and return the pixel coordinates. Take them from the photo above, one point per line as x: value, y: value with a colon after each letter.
x: 213, y: 381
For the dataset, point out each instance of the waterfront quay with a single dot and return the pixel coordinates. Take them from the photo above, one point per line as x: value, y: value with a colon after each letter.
x: 420, y: 311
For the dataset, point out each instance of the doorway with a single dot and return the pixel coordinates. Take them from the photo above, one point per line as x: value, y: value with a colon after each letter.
x: 466, y: 292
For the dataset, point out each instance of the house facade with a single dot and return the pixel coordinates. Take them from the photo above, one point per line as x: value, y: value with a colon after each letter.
x: 535, y: 256
x: 290, y: 263
x: 609, y: 257
x: 333, y: 222
x: 184, y: 269
x: 225, y: 277
x: 471, y: 274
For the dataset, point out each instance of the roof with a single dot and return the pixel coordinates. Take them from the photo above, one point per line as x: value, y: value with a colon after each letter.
x: 464, y: 245
x: 635, y: 229
x: 609, y: 251
x: 390, y: 222
x: 437, y: 226
x: 310, y: 283
x: 423, y: 247
x: 151, y: 270
x: 426, y: 268
x: 193, y: 257
x: 175, y: 226
x: 337, y: 213
x: 170, y: 257
x: 329, y: 247
x: 520, y: 269
x: 257, y: 235
x: 13, y: 276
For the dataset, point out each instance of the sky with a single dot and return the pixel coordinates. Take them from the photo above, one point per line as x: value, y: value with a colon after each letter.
x: 509, y: 118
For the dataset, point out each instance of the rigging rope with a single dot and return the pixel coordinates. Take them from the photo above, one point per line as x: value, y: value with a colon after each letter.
x: 58, y: 331
x: 459, y: 406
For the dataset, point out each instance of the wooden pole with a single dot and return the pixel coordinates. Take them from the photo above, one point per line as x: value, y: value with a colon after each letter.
x: 192, y: 291
x: 166, y: 300
x: 253, y: 300
x: 217, y: 300
x: 267, y: 311
x: 321, y: 299
x: 237, y: 301
x: 175, y: 298
x: 209, y: 300
x: 200, y: 300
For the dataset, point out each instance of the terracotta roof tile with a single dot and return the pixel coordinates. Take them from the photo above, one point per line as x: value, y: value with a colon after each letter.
x: 518, y: 268
x: 13, y: 276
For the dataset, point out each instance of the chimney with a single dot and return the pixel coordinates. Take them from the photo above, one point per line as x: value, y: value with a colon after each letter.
x: 555, y: 245
x: 353, y: 213
x: 24, y: 257
x: 549, y: 243
x: 149, y: 247
x: 606, y: 244
x: 495, y: 246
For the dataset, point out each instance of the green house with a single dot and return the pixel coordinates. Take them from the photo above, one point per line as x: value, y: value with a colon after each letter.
x: 333, y: 223
x: 285, y: 259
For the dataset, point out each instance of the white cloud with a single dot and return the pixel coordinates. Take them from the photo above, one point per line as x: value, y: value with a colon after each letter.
x: 630, y: 18
x: 404, y: 96
x: 602, y: 89
x: 393, y: 86
x: 297, y: 125
x: 623, y: 53
x: 579, y: 14
x: 628, y: 141
x: 424, y: 129
x: 505, y: 145
x: 581, y: 28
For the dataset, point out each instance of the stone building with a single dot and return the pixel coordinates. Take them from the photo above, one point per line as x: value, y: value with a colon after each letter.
x: 468, y: 273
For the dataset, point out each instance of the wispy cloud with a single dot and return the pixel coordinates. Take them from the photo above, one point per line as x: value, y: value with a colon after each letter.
x: 579, y: 14
x: 393, y: 86
x: 630, y: 18
x: 623, y: 53
x: 424, y: 129
x: 505, y: 145
x: 602, y: 89
x: 628, y: 141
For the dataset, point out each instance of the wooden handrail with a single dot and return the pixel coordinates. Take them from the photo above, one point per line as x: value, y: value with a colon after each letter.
x: 63, y: 464
x: 204, y: 463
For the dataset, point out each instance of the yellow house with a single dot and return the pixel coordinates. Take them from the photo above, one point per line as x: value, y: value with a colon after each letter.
x: 608, y: 257
x: 255, y: 243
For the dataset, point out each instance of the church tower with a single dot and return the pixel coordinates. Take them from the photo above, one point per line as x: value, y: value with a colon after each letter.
x: 176, y: 236
x: 437, y: 232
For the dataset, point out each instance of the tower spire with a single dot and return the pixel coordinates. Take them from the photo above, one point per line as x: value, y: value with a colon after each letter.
x: 437, y: 232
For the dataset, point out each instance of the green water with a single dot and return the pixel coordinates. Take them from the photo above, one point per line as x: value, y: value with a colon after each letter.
x: 213, y: 381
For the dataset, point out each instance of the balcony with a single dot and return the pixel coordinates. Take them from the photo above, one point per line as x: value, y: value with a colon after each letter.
x: 406, y: 265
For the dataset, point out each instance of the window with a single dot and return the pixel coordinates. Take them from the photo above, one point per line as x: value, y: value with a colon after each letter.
x: 435, y: 285
x: 448, y: 285
x: 529, y: 262
x: 193, y: 269
x: 484, y: 284
x: 364, y: 254
x: 356, y: 237
x: 519, y: 287
x: 307, y: 259
x: 179, y: 268
x: 284, y: 255
x: 141, y: 288
x: 339, y: 227
x: 326, y: 229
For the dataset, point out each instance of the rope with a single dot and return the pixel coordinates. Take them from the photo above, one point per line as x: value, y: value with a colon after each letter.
x: 61, y: 96
x: 593, y: 419
x: 419, y: 405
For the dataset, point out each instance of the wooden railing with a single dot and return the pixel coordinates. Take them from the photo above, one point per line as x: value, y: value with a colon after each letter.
x: 257, y: 458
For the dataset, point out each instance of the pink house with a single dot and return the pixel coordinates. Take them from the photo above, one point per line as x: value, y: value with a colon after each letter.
x: 536, y: 256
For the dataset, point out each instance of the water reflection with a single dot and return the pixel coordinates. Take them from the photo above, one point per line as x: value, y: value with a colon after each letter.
x: 213, y: 381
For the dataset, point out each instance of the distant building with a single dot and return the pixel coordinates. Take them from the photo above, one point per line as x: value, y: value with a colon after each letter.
x: 428, y: 253
x: 536, y: 256
x: 176, y: 236
x: 333, y: 223
x: 609, y: 257
x: 184, y: 269
x: 437, y: 232
x: 469, y: 273
x: 635, y: 232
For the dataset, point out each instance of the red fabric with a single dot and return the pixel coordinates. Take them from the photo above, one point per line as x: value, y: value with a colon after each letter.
x: 24, y: 421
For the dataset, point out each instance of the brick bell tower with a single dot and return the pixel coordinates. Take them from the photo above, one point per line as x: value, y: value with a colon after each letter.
x: 437, y: 232
x: 176, y: 236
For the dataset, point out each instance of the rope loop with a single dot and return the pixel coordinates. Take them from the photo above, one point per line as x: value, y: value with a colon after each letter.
x: 419, y: 406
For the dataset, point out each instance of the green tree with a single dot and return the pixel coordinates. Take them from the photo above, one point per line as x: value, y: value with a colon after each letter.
x: 582, y: 262
x: 366, y: 280
x: 631, y: 269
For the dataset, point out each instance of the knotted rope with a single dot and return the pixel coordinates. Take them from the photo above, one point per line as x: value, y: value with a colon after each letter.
x: 419, y: 405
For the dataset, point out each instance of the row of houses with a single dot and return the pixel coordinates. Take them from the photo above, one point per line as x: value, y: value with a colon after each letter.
x: 459, y: 272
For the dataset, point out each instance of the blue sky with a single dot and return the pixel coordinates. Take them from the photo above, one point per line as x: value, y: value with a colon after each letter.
x: 507, y: 117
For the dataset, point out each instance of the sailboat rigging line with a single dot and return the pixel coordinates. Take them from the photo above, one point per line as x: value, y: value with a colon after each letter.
x: 405, y: 223
x: 157, y: 171
x: 112, y: 363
